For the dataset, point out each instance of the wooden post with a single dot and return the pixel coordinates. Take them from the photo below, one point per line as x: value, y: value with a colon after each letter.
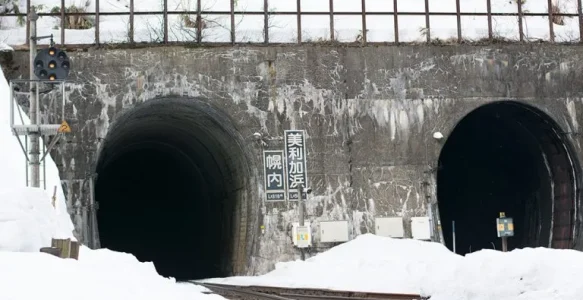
x: 63, y: 245
x: 65, y: 248
x: 74, y: 254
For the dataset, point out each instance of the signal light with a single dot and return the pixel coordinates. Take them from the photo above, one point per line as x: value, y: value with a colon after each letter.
x: 52, y: 64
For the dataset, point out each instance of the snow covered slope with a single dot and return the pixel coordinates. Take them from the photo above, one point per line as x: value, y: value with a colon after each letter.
x: 29, y: 211
x: 378, y: 264
x: 97, y: 275
x: 283, y: 28
x: 28, y: 221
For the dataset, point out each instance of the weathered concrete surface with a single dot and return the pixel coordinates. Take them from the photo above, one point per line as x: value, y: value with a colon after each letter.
x: 369, y: 113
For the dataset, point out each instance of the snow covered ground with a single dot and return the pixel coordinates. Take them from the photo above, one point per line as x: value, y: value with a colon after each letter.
x: 283, y: 28
x: 97, y: 275
x: 28, y: 221
x: 378, y: 264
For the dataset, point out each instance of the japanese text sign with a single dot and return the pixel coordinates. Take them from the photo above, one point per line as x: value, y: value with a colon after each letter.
x: 274, y: 163
x: 295, y: 152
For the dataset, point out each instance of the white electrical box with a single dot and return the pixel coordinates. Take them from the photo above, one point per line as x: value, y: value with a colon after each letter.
x: 390, y: 227
x: 421, y: 228
x: 305, y: 237
x: 333, y: 231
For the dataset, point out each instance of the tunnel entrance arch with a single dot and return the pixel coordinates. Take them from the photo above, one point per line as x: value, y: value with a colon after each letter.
x: 513, y: 158
x: 173, y: 188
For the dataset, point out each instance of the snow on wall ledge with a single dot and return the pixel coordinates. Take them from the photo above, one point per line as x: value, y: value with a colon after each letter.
x: 369, y: 113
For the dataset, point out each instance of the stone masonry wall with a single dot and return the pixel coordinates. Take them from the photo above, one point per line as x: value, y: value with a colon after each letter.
x: 369, y: 112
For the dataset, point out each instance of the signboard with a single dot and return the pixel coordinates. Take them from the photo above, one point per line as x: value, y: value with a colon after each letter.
x: 505, y: 227
x: 273, y: 162
x: 303, y: 236
x: 295, y: 152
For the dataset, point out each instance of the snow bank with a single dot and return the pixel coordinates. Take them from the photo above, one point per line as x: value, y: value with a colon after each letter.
x: 28, y: 221
x: 378, y: 264
x: 97, y: 275
x: 368, y: 263
x: 531, y: 273
x: 27, y: 218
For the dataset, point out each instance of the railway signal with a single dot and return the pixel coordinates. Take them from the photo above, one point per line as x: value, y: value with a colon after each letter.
x: 52, y: 64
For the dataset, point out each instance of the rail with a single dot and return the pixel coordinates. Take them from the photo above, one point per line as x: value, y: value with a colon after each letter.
x: 238, y: 291
x: 198, y: 25
x: 281, y: 293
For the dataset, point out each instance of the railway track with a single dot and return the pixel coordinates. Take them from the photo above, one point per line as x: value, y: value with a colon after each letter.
x: 279, y: 293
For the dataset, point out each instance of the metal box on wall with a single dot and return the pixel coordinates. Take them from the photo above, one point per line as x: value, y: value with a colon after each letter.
x: 421, y: 228
x: 307, y: 241
x: 389, y: 227
x: 333, y: 231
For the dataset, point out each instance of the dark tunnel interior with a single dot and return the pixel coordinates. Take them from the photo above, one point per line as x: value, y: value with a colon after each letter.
x: 166, y: 189
x: 506, y: 157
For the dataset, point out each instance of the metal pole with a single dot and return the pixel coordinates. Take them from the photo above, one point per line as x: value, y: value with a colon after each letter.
x: 93, y: 232
x: 86, y: 225
x: 504, y: 244
x: 44, y: 167
x: 301, y: 203
x: 34, y: 136
x: 301, y: 212
x: 26, y: 161
x: 11, y: 105
x: 453, y: 234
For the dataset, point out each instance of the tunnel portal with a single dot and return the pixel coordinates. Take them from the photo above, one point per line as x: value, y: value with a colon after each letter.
x: 169, y: 178
x: 507, y: 157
